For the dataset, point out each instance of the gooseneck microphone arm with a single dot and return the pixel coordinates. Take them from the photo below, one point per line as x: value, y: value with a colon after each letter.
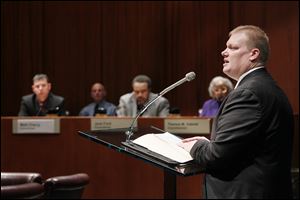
x: 188, y: 77
x: 129, y: 132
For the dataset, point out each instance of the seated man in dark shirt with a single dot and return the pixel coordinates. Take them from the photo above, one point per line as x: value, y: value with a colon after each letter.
x: 42, y: 101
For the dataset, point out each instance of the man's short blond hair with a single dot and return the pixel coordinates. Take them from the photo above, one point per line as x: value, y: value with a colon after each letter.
x: 257, y: 38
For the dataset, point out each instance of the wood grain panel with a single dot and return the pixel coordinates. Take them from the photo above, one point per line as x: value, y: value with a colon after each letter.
x: 77, y: 43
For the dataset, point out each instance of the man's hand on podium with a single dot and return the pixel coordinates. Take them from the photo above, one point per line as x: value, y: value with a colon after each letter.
x: 188, y: 143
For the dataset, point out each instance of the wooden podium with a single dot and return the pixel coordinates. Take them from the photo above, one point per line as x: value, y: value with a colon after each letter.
x: 115, y: 139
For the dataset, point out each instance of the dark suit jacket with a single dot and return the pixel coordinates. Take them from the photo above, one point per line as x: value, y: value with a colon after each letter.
x: 249, y: 155
x: 30, y: 107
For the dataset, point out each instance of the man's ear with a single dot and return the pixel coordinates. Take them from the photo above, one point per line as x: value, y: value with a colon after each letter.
x: 49, y: 85
x: 254, y: 54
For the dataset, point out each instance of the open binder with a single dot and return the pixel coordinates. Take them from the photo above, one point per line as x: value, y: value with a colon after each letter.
x: 148, y: 152
x: 161, y: 146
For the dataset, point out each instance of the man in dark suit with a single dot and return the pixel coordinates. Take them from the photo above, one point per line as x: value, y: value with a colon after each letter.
x: 249, y: 152
x: 42, y: 101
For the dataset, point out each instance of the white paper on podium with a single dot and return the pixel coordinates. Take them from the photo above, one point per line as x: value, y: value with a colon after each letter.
x: 164, y: 144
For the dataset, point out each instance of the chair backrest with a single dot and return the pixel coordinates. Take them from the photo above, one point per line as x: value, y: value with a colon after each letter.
x: 66, y: 187
x: 23, y: 185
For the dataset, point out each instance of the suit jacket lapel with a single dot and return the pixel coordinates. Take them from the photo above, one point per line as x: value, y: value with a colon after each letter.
x: 133, y: 106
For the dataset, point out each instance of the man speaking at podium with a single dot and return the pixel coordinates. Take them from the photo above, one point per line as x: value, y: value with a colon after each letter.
x: 130, y: 104
x: 249, y: 153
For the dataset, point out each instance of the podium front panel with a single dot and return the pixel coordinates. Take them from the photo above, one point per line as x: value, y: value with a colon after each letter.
x: 115, y: 139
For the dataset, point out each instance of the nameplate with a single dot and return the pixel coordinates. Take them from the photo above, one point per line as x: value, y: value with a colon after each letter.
x: 187, y: 126
x: 37, y: 126
x: 110, y: 123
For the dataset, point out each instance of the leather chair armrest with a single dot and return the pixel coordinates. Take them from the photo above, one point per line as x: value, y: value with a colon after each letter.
x: 75, y: 180
x: 26, y: 190
x: 14, y: 178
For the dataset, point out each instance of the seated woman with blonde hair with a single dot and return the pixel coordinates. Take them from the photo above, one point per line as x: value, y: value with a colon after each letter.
x: 218, y: 89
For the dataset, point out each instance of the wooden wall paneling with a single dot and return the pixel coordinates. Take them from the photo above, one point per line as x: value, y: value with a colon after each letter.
x: 78, y: 43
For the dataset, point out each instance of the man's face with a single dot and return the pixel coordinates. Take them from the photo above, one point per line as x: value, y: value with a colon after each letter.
x: 41, y: 89
x: 236, y: 56
x: 97, y: 92
x: 141, y: 92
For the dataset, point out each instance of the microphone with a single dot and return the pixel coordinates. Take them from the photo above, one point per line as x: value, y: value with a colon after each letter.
x: 188, y: 77
x: 99, y: 110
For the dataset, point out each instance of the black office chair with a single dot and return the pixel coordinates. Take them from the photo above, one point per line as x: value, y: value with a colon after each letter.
x: 66, y: 187
x: 174, y: 112
x: 21, y: 185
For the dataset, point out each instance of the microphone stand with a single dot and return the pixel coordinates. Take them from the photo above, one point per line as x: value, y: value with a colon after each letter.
x: 129, y: 132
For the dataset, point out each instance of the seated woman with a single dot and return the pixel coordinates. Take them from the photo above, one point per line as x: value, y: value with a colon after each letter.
x: 218, y: 89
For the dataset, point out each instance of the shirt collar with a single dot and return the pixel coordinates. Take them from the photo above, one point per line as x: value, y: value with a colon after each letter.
x: 245, y: 74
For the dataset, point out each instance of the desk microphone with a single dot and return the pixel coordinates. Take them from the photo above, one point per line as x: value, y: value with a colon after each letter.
x: 188, y: 77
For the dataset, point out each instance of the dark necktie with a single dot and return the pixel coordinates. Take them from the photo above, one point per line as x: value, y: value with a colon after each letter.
x: 41, y: 110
